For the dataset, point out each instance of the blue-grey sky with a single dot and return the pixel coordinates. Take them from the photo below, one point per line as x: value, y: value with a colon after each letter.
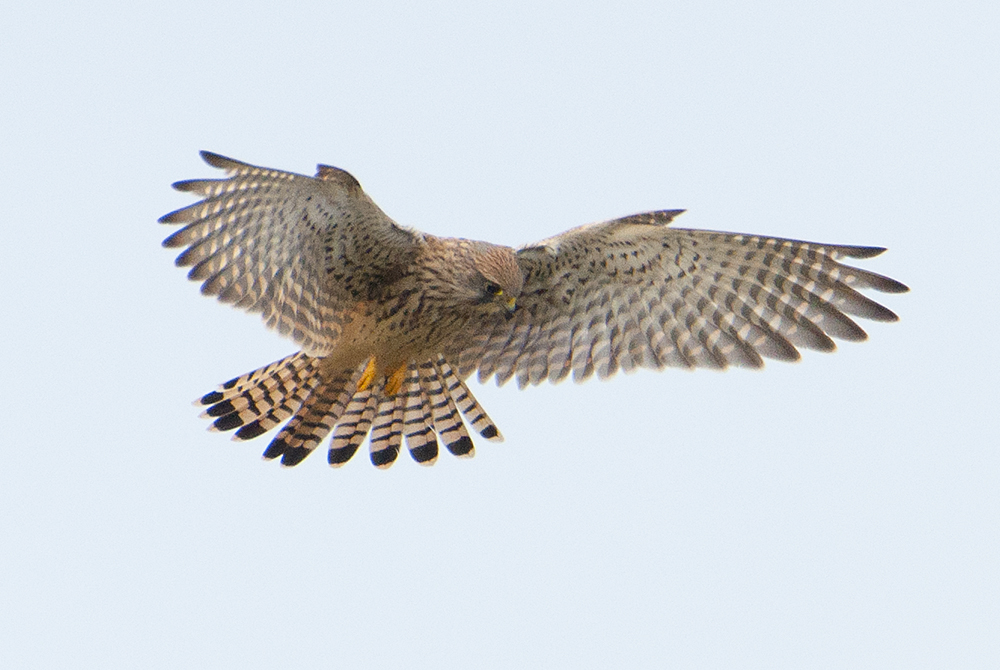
x: 838, y: 512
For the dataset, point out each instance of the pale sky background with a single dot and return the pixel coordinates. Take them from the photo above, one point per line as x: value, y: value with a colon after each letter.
x: 840, y: 512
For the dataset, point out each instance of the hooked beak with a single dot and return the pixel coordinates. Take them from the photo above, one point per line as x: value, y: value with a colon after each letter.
x: 511, y: 304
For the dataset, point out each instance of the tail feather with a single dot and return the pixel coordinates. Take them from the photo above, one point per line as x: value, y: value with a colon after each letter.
x: 314, y: 420
x: 276, y: 415
x: 418, y: 424
x: 353, y: 428
x: 289, y: 372
x: 259, y: 400
x: 429, y: 405
x: 467, y: 403
x: 444, y: 413
x: 387, y: 432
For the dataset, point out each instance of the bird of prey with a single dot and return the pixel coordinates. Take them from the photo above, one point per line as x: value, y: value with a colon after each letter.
x: 390, y: 321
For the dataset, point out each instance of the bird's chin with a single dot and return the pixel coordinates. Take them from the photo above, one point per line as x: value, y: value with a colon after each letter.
x: 506, y: 311
x: 501, y: 312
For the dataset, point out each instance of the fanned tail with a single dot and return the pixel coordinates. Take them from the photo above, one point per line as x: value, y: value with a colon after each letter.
x: 429, y: 405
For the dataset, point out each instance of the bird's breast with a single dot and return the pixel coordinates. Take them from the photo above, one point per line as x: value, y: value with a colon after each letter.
x: 406, y: 326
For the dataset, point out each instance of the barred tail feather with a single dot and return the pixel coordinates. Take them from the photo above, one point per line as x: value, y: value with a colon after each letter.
x: 467, y: 403
x: 444, y: 413
x: 276, y: 379
x: 429, y: 405
x: 314, y: 420
x: 353, y: 428
x: 387, y: 432
x: 259, y: 400
x: 418, y: 422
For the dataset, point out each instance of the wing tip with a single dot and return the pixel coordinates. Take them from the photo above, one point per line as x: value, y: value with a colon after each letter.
x: 670, y: 214
x: 879, y: 282
x: 184, y: 186
x: 216, y: 160
x: 890, y: 285
x: 862, y: 252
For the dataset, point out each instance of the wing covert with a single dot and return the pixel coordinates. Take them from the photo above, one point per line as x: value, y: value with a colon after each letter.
x: 299, y: 250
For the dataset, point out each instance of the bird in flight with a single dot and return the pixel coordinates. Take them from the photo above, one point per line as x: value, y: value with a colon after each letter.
x: 391, y: 322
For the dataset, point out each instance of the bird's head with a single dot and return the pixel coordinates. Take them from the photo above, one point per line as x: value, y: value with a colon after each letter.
x: 497, y: 280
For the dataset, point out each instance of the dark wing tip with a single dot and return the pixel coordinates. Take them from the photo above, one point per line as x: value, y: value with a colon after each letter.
x: 861, y: 252
x: 879, y: 282
x: 178, y: 239
x: 778, y: 348
x: 880, y: 313
x: 892, y: 286
x: 171, y: 217
x: 184, y: 186
x: 217, y: 160
x: 660, y: 217
x: 669, y: 215
x: 872, y: 280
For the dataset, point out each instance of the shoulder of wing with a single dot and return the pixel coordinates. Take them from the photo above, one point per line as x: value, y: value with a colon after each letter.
x: 589, y: 240
x: 602, y: 231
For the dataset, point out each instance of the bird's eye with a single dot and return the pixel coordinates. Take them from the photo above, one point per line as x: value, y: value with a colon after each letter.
x: 493, y: 289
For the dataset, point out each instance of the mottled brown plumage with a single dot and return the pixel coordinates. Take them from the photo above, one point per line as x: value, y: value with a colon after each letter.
x: 390, y: 321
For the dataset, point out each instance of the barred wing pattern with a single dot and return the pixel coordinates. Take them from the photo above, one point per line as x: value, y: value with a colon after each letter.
x: 268, y: 241
x: 634, y: 293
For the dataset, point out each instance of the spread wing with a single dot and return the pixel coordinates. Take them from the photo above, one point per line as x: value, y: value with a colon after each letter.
x: 299, y: 250
x: 634, y: 293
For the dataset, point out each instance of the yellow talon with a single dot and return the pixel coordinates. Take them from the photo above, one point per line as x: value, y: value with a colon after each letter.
x: 395, y: 381
x: 368, y: 375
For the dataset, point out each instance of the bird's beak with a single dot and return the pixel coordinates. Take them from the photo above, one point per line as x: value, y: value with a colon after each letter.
x: 511, y: 304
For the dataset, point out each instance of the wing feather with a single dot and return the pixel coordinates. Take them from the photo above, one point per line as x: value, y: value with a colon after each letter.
x: 299, y: 250
x: 634, y: 293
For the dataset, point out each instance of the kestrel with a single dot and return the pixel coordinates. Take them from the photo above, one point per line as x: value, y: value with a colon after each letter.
x: 391, y: 321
